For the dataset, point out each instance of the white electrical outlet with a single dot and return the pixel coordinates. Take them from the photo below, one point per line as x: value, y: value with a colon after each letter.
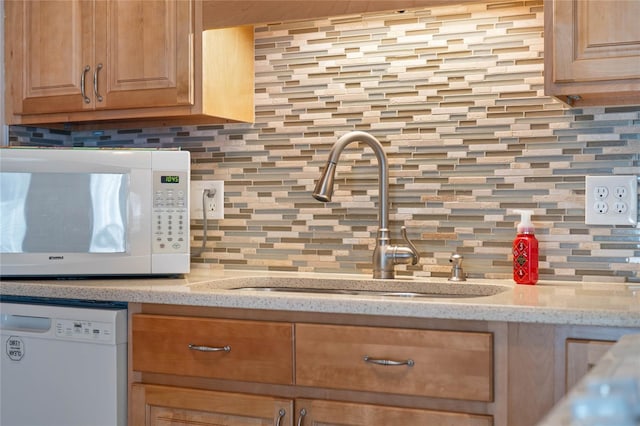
x: 210, y: 195
x: 611, y: 200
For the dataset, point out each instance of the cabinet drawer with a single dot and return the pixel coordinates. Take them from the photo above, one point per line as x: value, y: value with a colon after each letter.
x: 257, y: 351
x: 446, y: 364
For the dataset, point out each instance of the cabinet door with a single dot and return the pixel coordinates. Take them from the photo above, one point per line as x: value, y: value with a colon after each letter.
x: 596, y: 40
x: 582, y: 355
x: 331, y: 413
x: 144, y: 53
x: 154, y: 405
x: 49, y: 46
x: 592, y: 51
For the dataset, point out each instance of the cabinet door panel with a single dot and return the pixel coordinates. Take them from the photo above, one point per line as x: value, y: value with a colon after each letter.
x: 154, y: 405
x: 146, y: 50
x: 56, y: 39
x: 331, y: 413
x: 596, y: 40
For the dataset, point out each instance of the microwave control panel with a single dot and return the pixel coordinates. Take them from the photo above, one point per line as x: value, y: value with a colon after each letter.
x: 170, y: 212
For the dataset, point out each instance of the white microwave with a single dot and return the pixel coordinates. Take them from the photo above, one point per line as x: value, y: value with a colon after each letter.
x: 93, y: 212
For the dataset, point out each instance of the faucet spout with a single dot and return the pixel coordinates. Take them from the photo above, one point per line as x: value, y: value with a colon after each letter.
x: 385, y: 256
x: 324, y: 186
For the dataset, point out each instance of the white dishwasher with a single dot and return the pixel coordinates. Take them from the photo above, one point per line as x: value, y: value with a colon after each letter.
x: 63, y: 365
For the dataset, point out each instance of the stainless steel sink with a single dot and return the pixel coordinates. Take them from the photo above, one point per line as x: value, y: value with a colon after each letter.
x: 345, y: 285
x: 486, y: 291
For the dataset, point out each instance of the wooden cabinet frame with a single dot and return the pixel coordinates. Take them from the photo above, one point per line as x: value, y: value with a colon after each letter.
x: 206, y: 77
x: 479, y: 411
x: 529, y: 361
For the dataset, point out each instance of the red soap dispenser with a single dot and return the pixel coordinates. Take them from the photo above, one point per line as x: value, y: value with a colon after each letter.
x: 525, y: 251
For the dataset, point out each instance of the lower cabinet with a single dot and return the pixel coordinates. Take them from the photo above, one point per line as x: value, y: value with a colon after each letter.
x: 234, y: 367
x: 191, y: 370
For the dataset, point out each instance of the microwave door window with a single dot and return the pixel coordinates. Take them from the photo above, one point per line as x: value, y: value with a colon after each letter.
x: 108, y: 198
x: 64, y: 213
x: 14, y: 188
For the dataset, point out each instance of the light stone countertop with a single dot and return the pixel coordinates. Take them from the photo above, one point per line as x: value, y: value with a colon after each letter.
x: 592, y: 303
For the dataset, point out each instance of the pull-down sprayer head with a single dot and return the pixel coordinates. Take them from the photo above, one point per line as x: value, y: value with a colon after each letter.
x: 324, y: 187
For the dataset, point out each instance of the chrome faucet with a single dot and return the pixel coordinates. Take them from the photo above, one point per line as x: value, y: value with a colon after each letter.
x: 385, y: 255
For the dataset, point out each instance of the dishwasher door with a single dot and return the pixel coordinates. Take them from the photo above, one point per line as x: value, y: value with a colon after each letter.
x: 62, y: 366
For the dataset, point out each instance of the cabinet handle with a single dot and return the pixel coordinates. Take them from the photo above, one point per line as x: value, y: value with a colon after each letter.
x: 408, y: 362
x: 209, y: 348
x: 281, y: 414
x: 95, y: 82
x: 303, y: 413
x: 86, y: 69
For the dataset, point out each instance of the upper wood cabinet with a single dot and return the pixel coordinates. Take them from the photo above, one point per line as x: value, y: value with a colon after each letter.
x: 87, y: 61
x: 83, y: 55
x: 592, y: 51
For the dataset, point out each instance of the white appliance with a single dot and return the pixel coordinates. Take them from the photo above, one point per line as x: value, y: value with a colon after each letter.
x: 91, y: 212
x: 63, y: 366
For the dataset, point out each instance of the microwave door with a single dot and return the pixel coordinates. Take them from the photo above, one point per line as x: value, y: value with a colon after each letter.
x: 72, y: 220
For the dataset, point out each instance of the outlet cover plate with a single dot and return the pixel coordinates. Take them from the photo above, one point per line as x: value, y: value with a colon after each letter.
x: 213, y: 205
x: 611, y: 200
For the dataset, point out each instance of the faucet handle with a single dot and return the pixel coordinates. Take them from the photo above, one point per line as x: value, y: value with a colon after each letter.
x: 416, y: 255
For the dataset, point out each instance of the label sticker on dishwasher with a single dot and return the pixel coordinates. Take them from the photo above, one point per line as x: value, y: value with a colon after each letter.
x: 84, y: 330
x: 15, y: 348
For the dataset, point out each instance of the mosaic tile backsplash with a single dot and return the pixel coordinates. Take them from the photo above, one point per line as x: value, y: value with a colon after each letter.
x: 456, y: 97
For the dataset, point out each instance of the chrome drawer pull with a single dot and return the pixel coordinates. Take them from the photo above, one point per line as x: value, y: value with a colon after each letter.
x: 95, y: 83
x: 83, y: 76
x: 303, y: 413
x: 281, y: 414
x: 209, y: 348
x: 408, y: 362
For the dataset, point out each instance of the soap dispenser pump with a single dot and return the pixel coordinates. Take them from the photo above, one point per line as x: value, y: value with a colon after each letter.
x: 525, y: 251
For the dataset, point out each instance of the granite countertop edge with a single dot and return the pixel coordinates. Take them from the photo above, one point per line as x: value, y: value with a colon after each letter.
x: 572, y: 303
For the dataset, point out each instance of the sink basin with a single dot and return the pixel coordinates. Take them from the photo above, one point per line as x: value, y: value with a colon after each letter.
x: 349, y: 285
x: 408, y: 294
x: 409, y: 289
